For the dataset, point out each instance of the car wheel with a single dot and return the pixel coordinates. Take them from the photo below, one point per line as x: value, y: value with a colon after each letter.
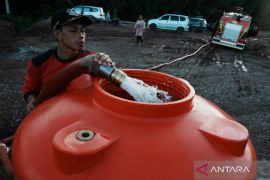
x: 180, y: 30
x: 153, y: 27
x: 93, y: 19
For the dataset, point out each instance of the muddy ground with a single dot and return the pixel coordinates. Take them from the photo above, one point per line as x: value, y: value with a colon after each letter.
x: 241, y: 88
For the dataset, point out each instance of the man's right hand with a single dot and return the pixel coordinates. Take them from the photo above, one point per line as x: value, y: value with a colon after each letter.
x: 99, y: 58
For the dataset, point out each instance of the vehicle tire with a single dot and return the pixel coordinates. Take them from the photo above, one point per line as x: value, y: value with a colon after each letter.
x: 93, y: 19
x: 180, y: 30
x: 153, y: 27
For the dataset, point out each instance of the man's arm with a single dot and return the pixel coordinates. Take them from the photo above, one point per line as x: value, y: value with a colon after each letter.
x: 31, y: 86
x: 70, y: 72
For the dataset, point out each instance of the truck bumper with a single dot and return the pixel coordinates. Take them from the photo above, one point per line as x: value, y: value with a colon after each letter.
x: 227, y: 43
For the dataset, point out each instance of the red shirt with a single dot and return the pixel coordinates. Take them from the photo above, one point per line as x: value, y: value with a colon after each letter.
x: 43, y: 67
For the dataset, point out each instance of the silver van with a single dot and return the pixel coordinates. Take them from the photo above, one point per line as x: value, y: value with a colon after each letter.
x: 95, y: 13
x: 179, y: 23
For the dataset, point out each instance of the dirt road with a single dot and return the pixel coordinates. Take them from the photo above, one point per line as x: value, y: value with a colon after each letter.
x: 241, y: 87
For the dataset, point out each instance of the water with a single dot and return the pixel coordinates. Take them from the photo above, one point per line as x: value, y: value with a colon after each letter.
x: 142, y: 92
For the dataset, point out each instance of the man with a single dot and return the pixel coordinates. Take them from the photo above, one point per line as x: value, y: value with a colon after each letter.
x: 69, y: 31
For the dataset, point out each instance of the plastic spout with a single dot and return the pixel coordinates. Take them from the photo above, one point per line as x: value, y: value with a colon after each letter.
x: 110, y: 73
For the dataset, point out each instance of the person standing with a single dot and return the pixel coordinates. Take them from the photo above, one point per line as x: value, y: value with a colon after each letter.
x: 108, y: 17
x: 139, y: 26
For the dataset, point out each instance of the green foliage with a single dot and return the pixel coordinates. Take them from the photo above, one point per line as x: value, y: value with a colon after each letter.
x: 130, y: 9
x: 21, y: 23
x: 263, y: 15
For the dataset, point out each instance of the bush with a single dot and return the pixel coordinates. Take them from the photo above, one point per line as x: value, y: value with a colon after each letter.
x: 21, y: 23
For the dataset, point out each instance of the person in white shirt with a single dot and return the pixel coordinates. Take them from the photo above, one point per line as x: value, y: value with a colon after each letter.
x: 108, y: 17
x: 139, y: 26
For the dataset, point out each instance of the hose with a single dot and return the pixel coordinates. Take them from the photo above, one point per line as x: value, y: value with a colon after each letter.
x: 7, y: 140
x: 179, y: 59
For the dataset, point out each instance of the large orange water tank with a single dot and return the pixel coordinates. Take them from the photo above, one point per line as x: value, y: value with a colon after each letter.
x: 97, y: 131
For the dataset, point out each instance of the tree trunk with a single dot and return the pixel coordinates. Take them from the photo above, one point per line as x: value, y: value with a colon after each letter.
x: 7, y: 6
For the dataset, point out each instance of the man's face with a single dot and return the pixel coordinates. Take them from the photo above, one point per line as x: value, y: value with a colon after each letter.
x: 71, y: 36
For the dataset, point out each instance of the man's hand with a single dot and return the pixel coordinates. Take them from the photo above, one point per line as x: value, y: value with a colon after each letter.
x: 5, y: 161
x: 3, y: 149
x: 100, y: 58
x: 30, y: 103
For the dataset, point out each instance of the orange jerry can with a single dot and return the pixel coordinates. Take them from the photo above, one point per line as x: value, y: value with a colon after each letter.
x: 97, y: 131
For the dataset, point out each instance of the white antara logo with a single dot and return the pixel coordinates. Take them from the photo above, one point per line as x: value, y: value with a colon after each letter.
x: 229, y: 169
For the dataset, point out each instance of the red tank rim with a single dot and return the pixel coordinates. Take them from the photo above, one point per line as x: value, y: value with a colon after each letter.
x: 169, y: 83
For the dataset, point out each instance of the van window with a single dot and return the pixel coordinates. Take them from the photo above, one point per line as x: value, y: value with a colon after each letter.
x: 94, y: 9
x: 86, y: 10
x: 174, y: 18
x: 182, y: 18
x: 165, y: 18
x: 78, y: 10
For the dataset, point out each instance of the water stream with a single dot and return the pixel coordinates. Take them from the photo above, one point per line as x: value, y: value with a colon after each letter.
x: 143, y: 92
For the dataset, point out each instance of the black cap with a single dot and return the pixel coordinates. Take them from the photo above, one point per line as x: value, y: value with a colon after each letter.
x: 66, y: 16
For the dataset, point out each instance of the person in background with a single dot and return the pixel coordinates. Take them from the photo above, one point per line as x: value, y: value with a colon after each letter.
x: 69, y: 31
x: 108, y: 17
x: 139, y: 26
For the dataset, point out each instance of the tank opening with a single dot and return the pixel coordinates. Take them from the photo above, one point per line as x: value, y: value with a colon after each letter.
x: 177, y: 89
x: 85, y: 135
